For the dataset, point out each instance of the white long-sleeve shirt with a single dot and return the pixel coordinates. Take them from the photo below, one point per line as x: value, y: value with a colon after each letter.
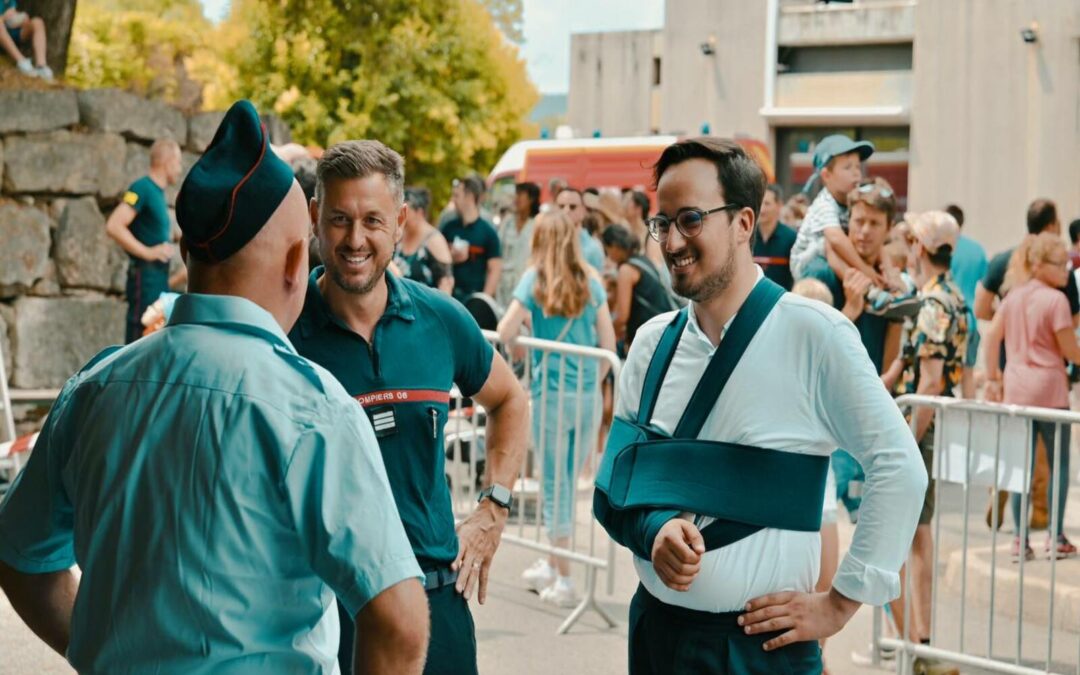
x: 805, y: 384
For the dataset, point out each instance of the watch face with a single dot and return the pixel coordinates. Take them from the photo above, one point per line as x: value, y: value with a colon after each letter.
x: 500, y: 494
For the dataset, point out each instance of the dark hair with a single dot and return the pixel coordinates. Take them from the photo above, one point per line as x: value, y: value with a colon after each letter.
x: 533, y: 190
x: 592, y: 190
x: 619, y: 236
x: 472, y: 184
x: 956, y: 212
x: 641, y: 200
x: 777, y: 191
x: 1040, y: 215
x: 360, y: 159
x: 877, y: 194
x: 305, y: 175
x: 942, y: 257
x: 741, y: 180
x: 1074, y: 231
x: 590, y: 223
x: 418, y: 198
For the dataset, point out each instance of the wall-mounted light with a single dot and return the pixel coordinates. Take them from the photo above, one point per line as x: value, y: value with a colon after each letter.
x: 1030, y: 34
x: 708, y: 48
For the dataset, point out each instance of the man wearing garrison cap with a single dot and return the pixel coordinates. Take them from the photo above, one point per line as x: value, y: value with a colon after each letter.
x: 216, y: 489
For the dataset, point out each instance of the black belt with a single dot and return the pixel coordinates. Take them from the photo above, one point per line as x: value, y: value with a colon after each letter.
x: 437, y: 578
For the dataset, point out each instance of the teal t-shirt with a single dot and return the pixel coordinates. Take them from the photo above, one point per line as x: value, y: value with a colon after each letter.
x: 151, y: 225
x: 218, y: 491
x: 582, y: 331
x: 592, y: 251
x: 423, y: 345
x: 969, y: 264
x: 872, y: 329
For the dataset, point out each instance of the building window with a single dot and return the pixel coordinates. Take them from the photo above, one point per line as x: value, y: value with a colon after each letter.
x: 656, y: 71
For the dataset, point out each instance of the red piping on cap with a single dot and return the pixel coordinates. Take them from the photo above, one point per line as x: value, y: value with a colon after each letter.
x: 232, y: 201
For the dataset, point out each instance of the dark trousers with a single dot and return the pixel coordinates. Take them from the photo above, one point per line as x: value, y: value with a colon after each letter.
x: 668, y: 639
x: 452, y: 649
x: 146, y: 282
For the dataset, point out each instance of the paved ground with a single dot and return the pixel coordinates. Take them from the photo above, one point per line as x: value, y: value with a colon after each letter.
x: 516, y: 632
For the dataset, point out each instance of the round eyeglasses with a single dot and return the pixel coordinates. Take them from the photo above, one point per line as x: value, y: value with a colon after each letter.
x: 688, y: 221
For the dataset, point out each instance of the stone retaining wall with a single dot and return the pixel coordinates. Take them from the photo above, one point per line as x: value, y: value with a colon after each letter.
x: 66, y: 157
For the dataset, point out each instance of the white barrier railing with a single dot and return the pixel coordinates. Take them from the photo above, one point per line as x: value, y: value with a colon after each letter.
x: 553, y: 492
x: 10, y: 462
x: 985, y: 445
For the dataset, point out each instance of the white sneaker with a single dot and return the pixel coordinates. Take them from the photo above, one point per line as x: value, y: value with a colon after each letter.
x: 44, y: 72
x: 539, y: 576
x: 560, y: 596
x: 26, y: 67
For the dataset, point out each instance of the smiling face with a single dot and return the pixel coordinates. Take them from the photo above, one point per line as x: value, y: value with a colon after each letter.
x: 358, y: 225
x: 702, y: 266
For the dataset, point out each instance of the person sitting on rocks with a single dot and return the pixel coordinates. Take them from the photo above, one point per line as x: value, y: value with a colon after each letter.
x: 21, y: 29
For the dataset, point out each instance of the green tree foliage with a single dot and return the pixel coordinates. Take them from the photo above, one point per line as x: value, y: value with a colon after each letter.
x: 146, y: 46
x: 433, y: 79
x: 508, y: 15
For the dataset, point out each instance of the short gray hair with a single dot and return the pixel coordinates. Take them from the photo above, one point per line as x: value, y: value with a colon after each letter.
x: 360, y: 159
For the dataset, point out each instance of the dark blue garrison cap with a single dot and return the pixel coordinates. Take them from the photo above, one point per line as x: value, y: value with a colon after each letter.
x: 233, y: 189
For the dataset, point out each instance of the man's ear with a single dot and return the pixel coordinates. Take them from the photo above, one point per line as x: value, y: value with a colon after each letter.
x: 744, y: 224
x: 296, y: 262
x: 183, y: 249
x: 403, y: 213
x: 313, y: 215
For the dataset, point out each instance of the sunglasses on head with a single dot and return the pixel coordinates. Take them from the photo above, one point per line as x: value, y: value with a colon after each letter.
x: 869, y: 187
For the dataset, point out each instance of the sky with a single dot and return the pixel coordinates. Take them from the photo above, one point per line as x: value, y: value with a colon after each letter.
x: 547, y: 27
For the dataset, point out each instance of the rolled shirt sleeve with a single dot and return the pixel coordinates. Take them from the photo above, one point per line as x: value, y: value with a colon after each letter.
x: 344, y: 512
x: 864, y: 420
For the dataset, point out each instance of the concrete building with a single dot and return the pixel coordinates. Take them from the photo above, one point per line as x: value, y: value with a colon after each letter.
x: 975, y: 102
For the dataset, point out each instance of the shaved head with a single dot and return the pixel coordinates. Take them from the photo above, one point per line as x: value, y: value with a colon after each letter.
x: 271, y: 269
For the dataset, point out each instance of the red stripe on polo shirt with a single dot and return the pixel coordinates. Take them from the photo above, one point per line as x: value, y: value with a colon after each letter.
x: 391, y: 396
x: 764, y: 260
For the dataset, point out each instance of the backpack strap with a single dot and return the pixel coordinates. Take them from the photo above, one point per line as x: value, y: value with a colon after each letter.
x: 723, y: 362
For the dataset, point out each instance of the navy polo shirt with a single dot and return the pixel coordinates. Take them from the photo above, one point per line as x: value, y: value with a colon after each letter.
x: 483, y: 242
x: 424, y: 343
x: 774, y: 254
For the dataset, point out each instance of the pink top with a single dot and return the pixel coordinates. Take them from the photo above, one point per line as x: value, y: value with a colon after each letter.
x: 1035, y: 368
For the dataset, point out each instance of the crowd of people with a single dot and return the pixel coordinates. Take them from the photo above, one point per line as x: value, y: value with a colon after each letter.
x: 883, y: 303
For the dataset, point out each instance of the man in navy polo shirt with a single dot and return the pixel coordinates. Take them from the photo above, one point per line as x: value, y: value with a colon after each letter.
x: 398, y: 347
x: 773, y: 240
x: 140, y: 224
x: 474, y: 243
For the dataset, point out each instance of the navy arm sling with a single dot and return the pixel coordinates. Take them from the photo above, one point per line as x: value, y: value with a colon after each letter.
x: 647, y: 477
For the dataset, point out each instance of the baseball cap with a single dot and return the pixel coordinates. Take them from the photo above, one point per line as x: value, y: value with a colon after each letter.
x: 934, y: 229
x: 839, y: 144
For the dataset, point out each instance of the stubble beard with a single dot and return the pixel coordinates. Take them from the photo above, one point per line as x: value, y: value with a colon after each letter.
x: 714, y: 283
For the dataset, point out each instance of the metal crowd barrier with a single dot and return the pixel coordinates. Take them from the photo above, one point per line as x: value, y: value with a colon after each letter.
x: 980, y: 447
x: 559, y: 407
x: 10, y: 462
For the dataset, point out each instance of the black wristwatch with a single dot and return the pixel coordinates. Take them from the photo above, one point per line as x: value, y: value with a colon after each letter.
x: 499, y: 495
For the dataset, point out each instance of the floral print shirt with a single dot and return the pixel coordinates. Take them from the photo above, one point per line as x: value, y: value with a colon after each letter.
x: 938, y: 331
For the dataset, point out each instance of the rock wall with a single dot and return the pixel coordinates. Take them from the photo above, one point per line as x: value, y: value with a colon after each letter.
x: 66, y: 157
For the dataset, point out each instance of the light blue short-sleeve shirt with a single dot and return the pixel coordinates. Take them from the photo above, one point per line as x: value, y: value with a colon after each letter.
x: 218, y: 491
x: 581, y: 331
x: 592, y: 251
